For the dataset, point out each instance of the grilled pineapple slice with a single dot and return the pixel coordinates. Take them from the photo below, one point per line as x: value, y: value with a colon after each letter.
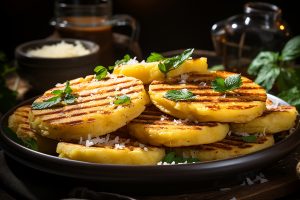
x: 273, y: 120
x: 147, y: 72
x: 154, y: 128
x: 230, y: 147
x: 94, y: 111
x: 19, y: 123
x: 241, y: 105
x: 112, y: 149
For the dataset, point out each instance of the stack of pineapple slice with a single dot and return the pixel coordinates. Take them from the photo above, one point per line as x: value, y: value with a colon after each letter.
x: 116, y: 120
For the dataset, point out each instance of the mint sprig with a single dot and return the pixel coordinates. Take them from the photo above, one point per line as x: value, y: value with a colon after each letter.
x: 60, y: 98
x: 172, y: 157
x: 101, y: 72
x: 123, y: 61
x: 167, y: 64
x: 224, y: 85
x: 179, y: 95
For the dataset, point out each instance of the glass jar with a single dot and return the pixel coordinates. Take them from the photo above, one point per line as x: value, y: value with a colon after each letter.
x: 240, y: 38
x: 92, y: 20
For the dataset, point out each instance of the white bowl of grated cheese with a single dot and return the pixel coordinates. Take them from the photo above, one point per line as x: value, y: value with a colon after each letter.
x: 47, y: 62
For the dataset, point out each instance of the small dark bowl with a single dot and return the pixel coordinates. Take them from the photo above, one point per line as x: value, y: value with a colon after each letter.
x: 44, y: 73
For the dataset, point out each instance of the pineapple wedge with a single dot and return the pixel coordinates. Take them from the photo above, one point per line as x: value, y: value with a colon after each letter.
x: 230, y: 147
x: 112, y: 149
x: 94, y: 111
x: 148, y: 72
x: 155, y: 128
x: 273, y: 120
x: 241, y: 105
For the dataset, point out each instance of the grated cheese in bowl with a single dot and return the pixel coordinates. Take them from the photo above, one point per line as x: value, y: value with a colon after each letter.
x: 59, y: 50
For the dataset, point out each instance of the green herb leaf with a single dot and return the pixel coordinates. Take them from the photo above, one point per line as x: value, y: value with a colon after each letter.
x: 262, y: 59
x: 291, y: 49
x: 30, y: 143
x: 54, y: 101
x: 172, y: 63
x: 57, y: 92
x: 172, y: 157
x: 267, y: 76
x: 155, y: 57
x: 249, y: 138
x: 101, y: 72
x: 125, y: 59
x: 68, y: 89
x: 230, y: 83
x: 69, y: 99
x: 120, y: 100
x: 217, y: 68
x: 179, y: 95
x: 62, y: 97
x: 291, y: 96
x: 162, y: 68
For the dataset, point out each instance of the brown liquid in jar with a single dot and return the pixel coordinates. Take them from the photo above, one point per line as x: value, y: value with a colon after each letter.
x: 94, y: 29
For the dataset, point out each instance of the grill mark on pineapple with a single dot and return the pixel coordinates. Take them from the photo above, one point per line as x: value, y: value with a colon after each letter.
x: 77, y: 122
x: 80, y: 106
x: 66, y: 116
x: 21, y: 116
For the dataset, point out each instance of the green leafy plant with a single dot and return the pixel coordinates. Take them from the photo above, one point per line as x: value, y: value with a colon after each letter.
x: 275, y: 71
x: 8, y: 97
x: 224, y: 85
x: 179, y: 95
x: 61, y: 98
x: 167, y: 64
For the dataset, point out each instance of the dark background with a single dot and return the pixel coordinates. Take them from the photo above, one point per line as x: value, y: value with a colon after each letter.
x: 165, y: 24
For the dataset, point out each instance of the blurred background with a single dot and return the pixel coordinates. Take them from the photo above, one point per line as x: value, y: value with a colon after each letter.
x: 165, y: 25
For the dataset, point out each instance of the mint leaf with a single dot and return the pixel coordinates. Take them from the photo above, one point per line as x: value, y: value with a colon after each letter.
x: 291, y: 50
x: 67, y: 89
x: 69, y: 99
x: 101, y: 72
x: 57, y: 92
x: 218, y: 84
x: 54, y: 101
x: 267, y: 76
x: 125, y: 59
x: 62, y: 97
x: 154, y: 57
x: 172, y: 157
x: 217, y: 68
x: 30, y: 143
x: 249, y: 138
x: 179, y: 95
x: 262, y: 59
x: 172, y: 63
x: 291, y: 96
x: 230, y: 83
x: 124, y: 99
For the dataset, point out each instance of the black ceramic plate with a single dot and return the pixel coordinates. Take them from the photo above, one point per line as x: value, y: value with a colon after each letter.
x: 146, y: 174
